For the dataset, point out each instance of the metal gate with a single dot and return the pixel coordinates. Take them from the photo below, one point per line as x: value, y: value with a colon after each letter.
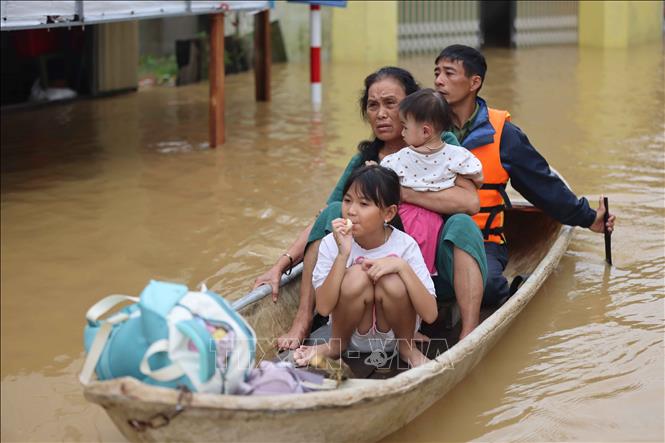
x: 545, y: 23
x: 429, y: 26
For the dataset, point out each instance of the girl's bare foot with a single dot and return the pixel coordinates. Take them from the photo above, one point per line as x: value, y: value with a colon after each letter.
x: 304, y: 354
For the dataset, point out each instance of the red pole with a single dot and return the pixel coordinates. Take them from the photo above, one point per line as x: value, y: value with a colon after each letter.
x: 315, y: 53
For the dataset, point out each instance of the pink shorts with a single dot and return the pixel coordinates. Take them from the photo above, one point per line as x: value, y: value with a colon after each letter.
x: 424, y: 226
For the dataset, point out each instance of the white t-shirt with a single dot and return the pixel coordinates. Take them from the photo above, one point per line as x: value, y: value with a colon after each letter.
x: 399, y: 244
x: 432, y: 172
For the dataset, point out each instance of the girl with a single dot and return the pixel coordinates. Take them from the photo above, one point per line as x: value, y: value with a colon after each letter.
x: 369, y: 277
x: 428, y: 164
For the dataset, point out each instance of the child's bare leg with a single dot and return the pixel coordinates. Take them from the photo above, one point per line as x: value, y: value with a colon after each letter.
x: 395, y: 311
x: 303, y: 320
x: 356, y: 298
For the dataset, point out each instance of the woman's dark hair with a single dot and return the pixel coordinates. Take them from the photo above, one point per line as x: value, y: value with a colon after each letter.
x: 369, y: 149
x: 376, y: 183
x: 427, y: 106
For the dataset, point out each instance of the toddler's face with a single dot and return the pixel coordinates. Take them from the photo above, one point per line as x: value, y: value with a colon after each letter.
x: 413, y: 131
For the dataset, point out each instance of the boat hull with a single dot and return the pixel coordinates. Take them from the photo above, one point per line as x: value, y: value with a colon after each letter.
x: 360, y: 410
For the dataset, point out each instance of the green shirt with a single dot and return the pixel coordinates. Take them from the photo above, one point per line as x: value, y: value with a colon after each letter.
x: 356, y: 162
x: 460, y: 133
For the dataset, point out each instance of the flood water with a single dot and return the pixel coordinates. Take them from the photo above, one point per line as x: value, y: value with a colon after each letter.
x: 100, y: 196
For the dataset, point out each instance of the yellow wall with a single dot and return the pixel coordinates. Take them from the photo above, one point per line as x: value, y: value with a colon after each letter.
x: 365, y: 31
x: 619, y: 24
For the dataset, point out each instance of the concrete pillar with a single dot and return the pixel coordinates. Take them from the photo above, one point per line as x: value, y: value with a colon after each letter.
x: 620, y: 24
x: 365, y: 31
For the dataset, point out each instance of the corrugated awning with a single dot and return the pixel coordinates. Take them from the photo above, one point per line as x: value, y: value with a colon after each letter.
x: 47, y: 14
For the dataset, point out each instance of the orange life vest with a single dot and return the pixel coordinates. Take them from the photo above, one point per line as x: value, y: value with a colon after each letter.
x: 493, y: 197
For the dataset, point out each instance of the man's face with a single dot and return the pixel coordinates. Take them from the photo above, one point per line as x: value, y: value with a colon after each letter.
x: 451, y: 81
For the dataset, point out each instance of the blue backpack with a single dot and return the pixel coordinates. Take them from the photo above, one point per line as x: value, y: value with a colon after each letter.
x: 170, y: 336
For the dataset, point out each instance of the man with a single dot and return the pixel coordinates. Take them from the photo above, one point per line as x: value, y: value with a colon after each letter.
x: 506, y: 154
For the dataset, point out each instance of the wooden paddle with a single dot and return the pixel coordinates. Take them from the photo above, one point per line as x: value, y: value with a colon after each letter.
x: 608, y: 235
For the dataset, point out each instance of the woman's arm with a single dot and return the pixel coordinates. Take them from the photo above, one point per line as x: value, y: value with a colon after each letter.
x: 476, y: 178
x: 462, y: 198
x: 273, y: 275
x: 297, y: 250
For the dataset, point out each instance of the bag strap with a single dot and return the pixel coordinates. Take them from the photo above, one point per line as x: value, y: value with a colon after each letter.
x: 106, y: 304
x: 204, y: 344
x: 167, y: 373
x: 95, y: 352
x: 94, y: 313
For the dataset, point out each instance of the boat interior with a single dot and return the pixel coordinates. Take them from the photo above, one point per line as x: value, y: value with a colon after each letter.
x: 530, y: 234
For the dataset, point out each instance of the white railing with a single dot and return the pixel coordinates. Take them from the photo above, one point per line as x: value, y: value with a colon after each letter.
x: 545, y: 23
x: 429, y: 26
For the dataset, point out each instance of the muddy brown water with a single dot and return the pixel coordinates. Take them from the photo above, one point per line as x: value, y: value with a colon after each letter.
x: 99, y: 196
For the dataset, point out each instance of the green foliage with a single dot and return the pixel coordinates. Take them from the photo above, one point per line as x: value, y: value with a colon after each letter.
x: 163, y: 69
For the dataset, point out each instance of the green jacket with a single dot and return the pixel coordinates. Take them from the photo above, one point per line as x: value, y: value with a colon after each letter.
x: 356, y: 161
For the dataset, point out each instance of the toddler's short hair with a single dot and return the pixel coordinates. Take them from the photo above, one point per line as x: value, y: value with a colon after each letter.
x: 427, y: 106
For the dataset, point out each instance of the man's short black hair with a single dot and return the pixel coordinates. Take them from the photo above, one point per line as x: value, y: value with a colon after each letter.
x: 472, y: 60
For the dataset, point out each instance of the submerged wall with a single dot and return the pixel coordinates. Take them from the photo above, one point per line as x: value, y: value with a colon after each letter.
x: 365, y: 31
x: 619, y: 24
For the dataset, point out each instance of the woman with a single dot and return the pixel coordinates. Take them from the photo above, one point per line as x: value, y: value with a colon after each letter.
x: 461, y: 260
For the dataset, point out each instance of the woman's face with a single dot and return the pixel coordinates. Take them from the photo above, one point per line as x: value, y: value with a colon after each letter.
x: 383, y: 99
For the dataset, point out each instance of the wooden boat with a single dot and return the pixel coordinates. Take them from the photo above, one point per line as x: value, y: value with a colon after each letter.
x: 359, y: 409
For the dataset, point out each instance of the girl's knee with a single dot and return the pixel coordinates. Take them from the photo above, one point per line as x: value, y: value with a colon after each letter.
x: 355, y: 282
x: 390, y: 286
